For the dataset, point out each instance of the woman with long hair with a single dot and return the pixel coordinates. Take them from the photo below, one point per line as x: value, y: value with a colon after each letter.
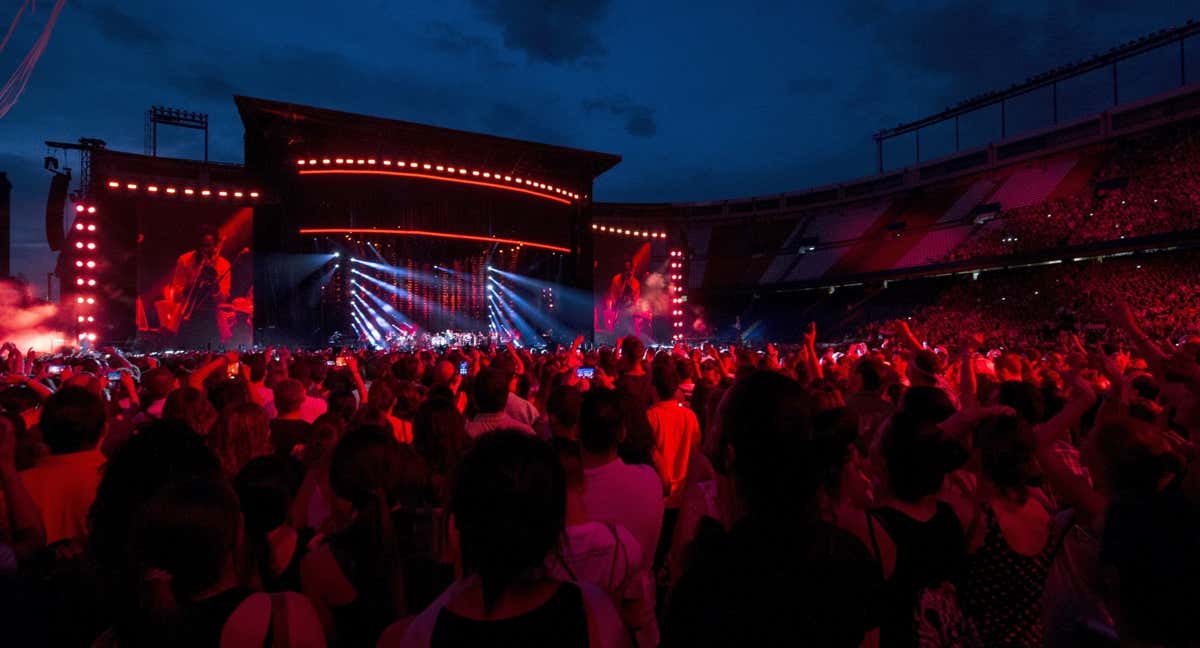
x: 265, y: 487
x: 241, y: 433
x: 440, y: 437
x: 381, y: 567
x: 510, y: 510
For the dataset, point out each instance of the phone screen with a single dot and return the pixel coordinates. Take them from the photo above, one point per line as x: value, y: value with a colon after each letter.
x: 114, y: 376
x: 232, y: 369
x: 585, y: 372
x: 340, y: 361
x: 54, y: 370
x: 462, y: 368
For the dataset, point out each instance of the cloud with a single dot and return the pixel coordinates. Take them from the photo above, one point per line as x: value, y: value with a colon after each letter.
x: 122, y: 28
x: 639, y: 118
x: 451, y: 40
x: 563, y: 31
x: 810, y: 85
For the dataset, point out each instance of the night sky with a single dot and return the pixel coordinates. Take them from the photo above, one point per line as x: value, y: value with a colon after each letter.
x: 703, y: 100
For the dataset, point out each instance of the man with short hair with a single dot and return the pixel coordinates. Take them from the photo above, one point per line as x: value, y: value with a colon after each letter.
x: 311, y: 407
x: 491, y: 396
x: 63, y: 484
x: 614, y: 491
x: 289, y: 428
x: 562, y: 412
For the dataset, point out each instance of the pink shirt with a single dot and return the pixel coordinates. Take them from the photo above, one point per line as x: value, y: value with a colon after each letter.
x: 629, y: 496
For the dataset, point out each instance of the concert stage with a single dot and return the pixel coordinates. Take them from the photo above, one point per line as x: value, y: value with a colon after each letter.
x: 345, y: 227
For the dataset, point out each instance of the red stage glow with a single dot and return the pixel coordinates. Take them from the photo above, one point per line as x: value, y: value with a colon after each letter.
x: 427, y: 176
x: 409, y: 232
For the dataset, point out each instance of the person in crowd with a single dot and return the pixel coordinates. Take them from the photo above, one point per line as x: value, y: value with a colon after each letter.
x: 63, y: 484
x: 509, y: 507
x: 491, y: 399
x: 383, y: 397
x: 290, y: 428
x: 782, y: 572
x: 613, y: 491
x: 384, y: 565
x: 25, y: 532
x: 676, y: 439
x: 604, y: 554
x: 266, y: 487
x: 241, y: 433
x: 315, y: 507
x: 562, y: 413
x: 919, y: 541
x: 190, y: 406
x: 440, y: 438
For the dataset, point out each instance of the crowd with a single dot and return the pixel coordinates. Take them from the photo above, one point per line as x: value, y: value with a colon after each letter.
x: 878, y: 493
x: 1145, y: 185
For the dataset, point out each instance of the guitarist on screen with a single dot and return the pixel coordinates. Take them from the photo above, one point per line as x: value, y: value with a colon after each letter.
x: 201, y: 282
x: 624, y: 293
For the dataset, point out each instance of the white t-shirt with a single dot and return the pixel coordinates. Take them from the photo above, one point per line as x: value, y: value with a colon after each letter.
x: 310, y: 410
x: 521, y: 409
x: 484, y: 423
x: 631, y: 496
x: 608, y: 556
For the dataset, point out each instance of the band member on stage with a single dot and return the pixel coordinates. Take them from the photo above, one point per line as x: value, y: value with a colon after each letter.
x: 201, y: 282
x: 624, y: 293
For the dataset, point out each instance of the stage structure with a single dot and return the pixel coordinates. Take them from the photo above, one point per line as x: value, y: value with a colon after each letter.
x: 338, y: 228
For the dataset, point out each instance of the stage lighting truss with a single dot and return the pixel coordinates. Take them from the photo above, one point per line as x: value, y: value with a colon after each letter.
x: 324, y: 165
x: 678, y: 293
x: 83, y: 278
x: 161, y: 189
x: 624, y: 231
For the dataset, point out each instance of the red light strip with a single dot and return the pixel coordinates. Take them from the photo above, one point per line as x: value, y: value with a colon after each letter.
x: 158, y: 190
x: 426, y: 176
x: 452, y: 171
x: 408, y: 232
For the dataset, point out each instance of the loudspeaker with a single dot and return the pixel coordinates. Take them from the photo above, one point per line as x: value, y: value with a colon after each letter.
x: 55, y: 202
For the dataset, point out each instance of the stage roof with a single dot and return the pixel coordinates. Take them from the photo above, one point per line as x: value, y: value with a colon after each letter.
x: 307, y: 130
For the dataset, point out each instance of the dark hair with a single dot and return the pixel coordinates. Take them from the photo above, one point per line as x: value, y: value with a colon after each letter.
x: 565, y: 404
x: 289, y: 395
x: 374, y: 472
x: 491, y: 390
x: 666, y: 380
x: 1136, y: 457
x: 265, y: 488
x: 204, y: 229
x: 440, y: 435
x: 927, y: 403
x: 241, y: 433
x: 381, y: 395
x: 509, y: 506
x: 601, y: 421
x: 192, y: 407
x: 72, y: 420
x: 1025, y: 398
x: 918, y: 456
x: 868, y: 371
x: 1006, y: 445
x: 764, y: 419
x: 343, y: 404
x: 632, y: 350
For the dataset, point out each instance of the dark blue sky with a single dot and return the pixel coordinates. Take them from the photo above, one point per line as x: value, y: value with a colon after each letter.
x: 704, y: 100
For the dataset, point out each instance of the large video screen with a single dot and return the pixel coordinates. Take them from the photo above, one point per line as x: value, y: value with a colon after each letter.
x: 195, y: 275
x: 631, y: 289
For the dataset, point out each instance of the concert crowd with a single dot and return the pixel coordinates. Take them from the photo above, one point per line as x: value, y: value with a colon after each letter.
x: 933, y: 482
x: 1145, y: 186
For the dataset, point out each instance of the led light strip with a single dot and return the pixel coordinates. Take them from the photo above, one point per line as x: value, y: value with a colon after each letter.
x: 431, y: 234
x: 612, y: 229
x: 434, y: 171
x: 156, y: 189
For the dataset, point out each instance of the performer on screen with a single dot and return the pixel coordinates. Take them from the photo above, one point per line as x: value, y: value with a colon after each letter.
x: 624, y: 293
x: 201, y: 282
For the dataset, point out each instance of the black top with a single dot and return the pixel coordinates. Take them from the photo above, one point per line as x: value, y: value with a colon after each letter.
x: 289, y: 579
x: 206, y: 619
x: 927, y: 554
x: 286, y: 434
x: 560, y: 621
x: 361, y: 621
x: 767, y: 585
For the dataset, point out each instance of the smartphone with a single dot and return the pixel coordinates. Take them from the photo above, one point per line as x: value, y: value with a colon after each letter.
x: 233, y: 369
x: 54, y: 370
x: 462, y: 368
x: 585, y: 372
x: 114, y: 376
x: 329, y: 363
x: 340, y: 361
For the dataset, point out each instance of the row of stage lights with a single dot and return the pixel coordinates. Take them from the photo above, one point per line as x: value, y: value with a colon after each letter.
x: 627, y: 232
x: 678, y: 294
x: 186, y: 191
x: 85, y: 266
x: 458, y: 171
